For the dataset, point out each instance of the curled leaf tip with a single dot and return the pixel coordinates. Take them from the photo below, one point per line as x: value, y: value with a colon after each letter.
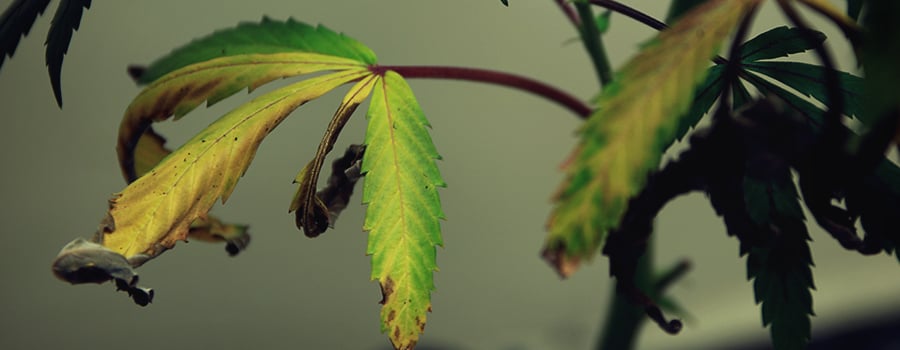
x: 83, y: 261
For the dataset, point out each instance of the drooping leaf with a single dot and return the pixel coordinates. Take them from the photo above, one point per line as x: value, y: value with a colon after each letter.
x: 16, y: 22
x: 778, y: 42
x: 404, y: 211
x: 83, y: 261
x: 637, y: 120
x: 809, y: 80
x: 312, y: 214
x: 157, y: 209
x: 211, y: 229
x: 65, y: 21
x: 269, y: 36
x: 183, y: 90
x: 813, y: 113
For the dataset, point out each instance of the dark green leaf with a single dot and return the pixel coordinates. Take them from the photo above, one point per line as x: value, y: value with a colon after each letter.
x: 809, y: 79
x: 740, y: 95
x: 268, y: 36
x: 802, y: 106
x: 704, y: 97
x: 778, y: 42
x: 65, y: 21
x: 877, y: 201
x: 505, y: 2
x: 15, y: 23
x: 854, y: 7
x: 602, y: 21
x: 780, y: 268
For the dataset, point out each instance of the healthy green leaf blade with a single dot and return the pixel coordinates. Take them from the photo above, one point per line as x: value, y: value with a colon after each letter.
x: 404, y: 211
x: 704, y: 96
x: 16, y: 22
x: 65, y: 21
x: 156, y: 210
x: 268, y: 36
x: 637, y: 120
x: 778, y: 42
x: 181, y: 91
x: 809, y: 79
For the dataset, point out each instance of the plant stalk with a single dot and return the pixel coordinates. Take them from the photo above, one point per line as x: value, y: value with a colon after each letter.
x: 518, y: 82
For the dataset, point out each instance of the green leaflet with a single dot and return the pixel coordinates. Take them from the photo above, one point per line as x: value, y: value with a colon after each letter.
x: 404, y: 211
x: 268, y: 36
x: 638, y: 117
x: 16, y: 22
x: 155, y: 211
x: 777, y: 42
x: 809, y: 80
x: 65, y: 21
x: 179, y: 92
x: 781, y: 268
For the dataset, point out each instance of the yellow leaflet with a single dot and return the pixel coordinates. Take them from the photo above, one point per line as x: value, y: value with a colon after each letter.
x: 155, y: 211
x: 625, y: 138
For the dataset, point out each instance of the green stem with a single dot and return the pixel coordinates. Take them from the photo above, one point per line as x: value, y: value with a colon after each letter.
x: 593, y: 43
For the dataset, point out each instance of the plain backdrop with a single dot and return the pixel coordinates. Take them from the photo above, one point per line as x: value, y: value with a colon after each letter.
x: 501, y: 150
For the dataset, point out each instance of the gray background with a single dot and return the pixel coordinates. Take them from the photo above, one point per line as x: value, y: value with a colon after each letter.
x: 501, y: 153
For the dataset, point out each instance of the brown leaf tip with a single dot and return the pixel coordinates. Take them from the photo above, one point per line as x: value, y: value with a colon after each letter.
x: 559, y: 259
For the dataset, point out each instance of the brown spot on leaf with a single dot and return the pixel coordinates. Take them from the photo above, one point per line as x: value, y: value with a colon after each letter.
x: 397, y: 332
x: 420, y: 322
x: 387, y: 289
x: 196, y: 92
x: 391, y: 316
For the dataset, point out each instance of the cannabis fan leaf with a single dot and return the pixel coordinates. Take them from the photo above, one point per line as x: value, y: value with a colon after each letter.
x: 635, y: 122
x: 171, y: 192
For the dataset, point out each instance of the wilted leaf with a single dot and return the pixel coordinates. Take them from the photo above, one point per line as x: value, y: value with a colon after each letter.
x: 404, y: 210
x: 637, y: 120
x: 16, y: 22
x: 267, y: 37
x: 183, y: 90
x: 82, y: 261
x: 312, y: 214
x: 211, y: 229
x: 65, y: 21
x: 156, y: 210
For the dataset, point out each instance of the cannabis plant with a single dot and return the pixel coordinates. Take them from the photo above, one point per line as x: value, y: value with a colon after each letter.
x: 779, y: 138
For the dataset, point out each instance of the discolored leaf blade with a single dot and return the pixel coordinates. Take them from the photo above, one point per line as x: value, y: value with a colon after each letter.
x: 623, y: 141
x: 65, y: 22
x: 313, y: 215
x: 404, y: 211
x: 16, y: 22
x: 156, y: 210
x: 183, y: 90
x: 267, y: 37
